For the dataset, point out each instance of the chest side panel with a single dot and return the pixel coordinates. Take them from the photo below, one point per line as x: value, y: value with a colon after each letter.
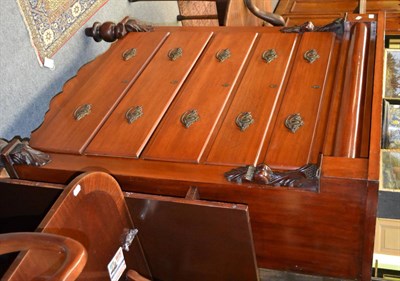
x: 202, y: 100
x: 243, y: 131
x: 72, y: 126
x: 130, y: 126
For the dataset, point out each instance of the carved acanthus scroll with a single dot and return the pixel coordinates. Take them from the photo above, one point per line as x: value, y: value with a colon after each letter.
x: 336, y: 26
x: 306, y: 176
x: 18, y: 152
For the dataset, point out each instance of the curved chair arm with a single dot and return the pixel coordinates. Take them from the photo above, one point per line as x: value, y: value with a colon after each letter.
x: 75, y: 253
x: 274, y: 19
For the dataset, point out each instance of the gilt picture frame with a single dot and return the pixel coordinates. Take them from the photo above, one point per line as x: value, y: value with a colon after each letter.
x: 390, y: 172
x: 392, y: 74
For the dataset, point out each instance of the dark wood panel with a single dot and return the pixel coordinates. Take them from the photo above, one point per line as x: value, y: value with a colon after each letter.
x: 154, y: 91
x: 259, y: 97
x: 287, y: 213
x: 194, y: 239
x: 393, y: 23
x: 297, y: 231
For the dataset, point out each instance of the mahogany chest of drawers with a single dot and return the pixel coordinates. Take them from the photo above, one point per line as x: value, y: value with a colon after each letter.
x: 287, y: 123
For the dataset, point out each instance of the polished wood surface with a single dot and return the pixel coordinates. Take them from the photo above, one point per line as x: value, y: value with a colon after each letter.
x: 187, y: 239
x: 291, y: 226
x: 348, y: 138
x: 288, y: 149
x: 211, y: 76
x: 92, y: 211
x: 102, y: 93
x: 129, y: 139
x: 75, y: 255
x: 263, y: 111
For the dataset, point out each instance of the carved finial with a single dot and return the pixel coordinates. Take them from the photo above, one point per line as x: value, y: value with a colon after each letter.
x: 111, y: 32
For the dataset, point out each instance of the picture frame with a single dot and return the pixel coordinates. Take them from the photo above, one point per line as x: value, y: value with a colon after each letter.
x: 392, y: 74
x: 390, y: 170
x: 391, y: 124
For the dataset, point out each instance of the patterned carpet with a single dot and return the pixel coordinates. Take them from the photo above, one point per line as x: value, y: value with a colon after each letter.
x: 190, y: 8
x: 51, y: 23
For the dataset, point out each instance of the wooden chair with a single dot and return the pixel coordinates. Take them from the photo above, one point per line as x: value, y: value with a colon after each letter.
x: 74, y: 252
x: 90, y: 214
x: 221, y: 6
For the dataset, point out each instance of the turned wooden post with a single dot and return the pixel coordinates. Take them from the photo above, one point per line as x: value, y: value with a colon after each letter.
x: 348, y: 133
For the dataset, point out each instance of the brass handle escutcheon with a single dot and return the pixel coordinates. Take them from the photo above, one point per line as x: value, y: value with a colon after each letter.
x: 189, y: 117
x: 175, y: 53
x: 293, y: 122
x: 244, y: 120
x: 128, y: 54
x: 82, y: 111
x: 269, y: 55
x: 133, y: 113
x: 311, y: 55
x: 223, y: 55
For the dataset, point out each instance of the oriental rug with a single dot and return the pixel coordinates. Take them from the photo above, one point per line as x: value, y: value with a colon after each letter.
x: 51, y: 23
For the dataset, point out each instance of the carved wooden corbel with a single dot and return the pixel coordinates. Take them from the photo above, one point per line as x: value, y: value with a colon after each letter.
x: 16, y: 152
x: 306, y: 177
x: 336, y: 26
x: 111, y: 32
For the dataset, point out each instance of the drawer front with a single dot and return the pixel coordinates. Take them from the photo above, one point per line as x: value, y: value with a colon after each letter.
x: 130, y: 126
x: 88, y: 101
x: 292, y: 137
x: 244, y: 129
x: 203, y: 98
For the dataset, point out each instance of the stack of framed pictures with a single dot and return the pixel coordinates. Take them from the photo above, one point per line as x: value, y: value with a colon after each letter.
x: 390, y: 168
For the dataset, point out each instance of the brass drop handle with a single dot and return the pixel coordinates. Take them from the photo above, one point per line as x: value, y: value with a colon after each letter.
x: 82, y: 111
x: 269, y: 55
x: 189, y: 117
x: 133, y: 113
x: 311, y: 56
x: 223, y: 55
x: 244, y: 120
x: 293, y: 122
x: 175, y: 54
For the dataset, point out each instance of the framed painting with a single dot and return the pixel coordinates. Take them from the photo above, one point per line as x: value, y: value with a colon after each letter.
x: 392, y: 74
x: 391, y: 124
x: 390, y: 172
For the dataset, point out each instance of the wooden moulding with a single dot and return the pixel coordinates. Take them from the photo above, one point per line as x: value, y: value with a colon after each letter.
x: 348, y: 136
